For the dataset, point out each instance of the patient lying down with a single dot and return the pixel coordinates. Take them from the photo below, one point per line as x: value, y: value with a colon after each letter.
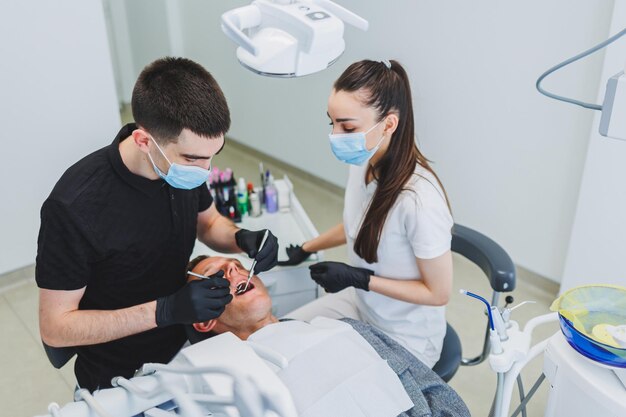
x: 336, y: 367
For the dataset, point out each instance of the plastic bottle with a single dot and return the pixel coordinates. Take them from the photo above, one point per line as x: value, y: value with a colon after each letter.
x: 264, y: 183
x: 271, y: 196
x: 255, y: 204
x: 250, y: 190
x: 242, y: 196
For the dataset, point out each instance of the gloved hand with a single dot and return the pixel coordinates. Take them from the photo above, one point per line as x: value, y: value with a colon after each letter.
x: 249, y: 242
x: 335, y: 276
x: 197, y: 301
x: 296, y: 255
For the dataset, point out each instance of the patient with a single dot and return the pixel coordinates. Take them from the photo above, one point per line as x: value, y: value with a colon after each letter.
x: 336, y: 367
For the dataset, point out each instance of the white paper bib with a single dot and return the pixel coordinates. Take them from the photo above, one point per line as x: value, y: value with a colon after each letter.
x: 333, y: 371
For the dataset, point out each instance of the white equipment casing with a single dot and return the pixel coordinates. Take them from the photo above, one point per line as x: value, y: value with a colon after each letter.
x: 513, y: 350
x: 288, y: 38
x: 235, y: 375
x: 580, y: 387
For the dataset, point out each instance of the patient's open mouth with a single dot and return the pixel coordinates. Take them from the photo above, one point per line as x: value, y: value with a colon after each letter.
x: 241, y: 288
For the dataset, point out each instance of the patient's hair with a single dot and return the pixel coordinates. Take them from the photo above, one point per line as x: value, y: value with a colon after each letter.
x: 194, y: 262
x: 172, y: 94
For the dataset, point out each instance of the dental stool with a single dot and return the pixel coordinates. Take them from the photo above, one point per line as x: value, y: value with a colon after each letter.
x: 497, y: 265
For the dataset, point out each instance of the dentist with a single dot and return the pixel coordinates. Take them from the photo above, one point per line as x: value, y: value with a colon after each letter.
x: 396, y: 220
x: 119, y: 227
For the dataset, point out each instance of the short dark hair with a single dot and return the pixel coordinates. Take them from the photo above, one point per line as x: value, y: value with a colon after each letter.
x: 194, y: 262
x: 172, y: 94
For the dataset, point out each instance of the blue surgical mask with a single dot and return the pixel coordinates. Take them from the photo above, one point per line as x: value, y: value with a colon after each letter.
x: 351, y: 147
x: 185, y: 177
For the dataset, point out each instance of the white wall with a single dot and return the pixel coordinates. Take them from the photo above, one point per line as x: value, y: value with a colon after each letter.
x: 118, y: 35
x: 58, y: 104
x: 141, y: 31
x: 149, y: 33
x: 510, y: 158
x: 596, y: 250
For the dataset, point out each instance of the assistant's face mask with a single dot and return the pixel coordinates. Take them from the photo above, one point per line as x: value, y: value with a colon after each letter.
x: 351, y: 147
x: 185, y: 177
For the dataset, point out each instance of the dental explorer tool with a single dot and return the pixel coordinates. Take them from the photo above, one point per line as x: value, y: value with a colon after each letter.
x: 198, y: 275
x: 267, y: 233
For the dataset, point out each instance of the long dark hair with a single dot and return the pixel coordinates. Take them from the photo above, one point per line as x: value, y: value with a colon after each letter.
x: 388, y: 91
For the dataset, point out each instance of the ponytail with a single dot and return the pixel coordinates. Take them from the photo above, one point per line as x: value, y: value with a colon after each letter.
x: 388, y: 91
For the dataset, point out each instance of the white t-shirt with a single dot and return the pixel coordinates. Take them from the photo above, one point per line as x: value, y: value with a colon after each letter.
x: 418, y: 226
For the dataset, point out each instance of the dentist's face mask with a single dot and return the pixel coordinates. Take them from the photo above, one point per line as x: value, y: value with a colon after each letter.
x: 351, y: 148
x: 185, y: 177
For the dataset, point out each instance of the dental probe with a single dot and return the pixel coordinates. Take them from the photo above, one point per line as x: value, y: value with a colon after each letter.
x: 201, y: 276
x: 267, y: 232
x: 198, y: 275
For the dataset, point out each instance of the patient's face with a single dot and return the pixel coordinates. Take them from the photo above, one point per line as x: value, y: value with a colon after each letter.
x: 245, y: 309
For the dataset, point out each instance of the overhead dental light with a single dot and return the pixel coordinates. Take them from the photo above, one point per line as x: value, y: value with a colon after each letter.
x: 289, y: 38
x: 612, y: 122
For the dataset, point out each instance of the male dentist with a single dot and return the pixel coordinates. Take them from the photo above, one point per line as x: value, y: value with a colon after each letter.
x: 119, y: 227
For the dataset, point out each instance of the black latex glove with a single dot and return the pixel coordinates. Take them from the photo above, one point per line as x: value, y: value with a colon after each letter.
x: 296, y: 255
x: 249, y: 242
x: 335, y: 276
x: 197, y: 301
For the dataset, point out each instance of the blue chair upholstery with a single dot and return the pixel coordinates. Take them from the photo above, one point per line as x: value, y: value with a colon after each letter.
x: 59, y: 356
x: 451, y: 355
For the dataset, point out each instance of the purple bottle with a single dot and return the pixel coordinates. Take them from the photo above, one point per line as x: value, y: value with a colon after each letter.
x: 271, y: 196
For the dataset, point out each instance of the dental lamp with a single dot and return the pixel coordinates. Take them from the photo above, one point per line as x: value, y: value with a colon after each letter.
x: 289, y: 38
x: 613, y: 120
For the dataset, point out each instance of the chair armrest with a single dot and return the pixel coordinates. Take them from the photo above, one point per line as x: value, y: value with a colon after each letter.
x: 487, y: 254
x: 59, y: 356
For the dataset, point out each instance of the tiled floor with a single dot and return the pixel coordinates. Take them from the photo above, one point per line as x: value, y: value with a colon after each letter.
x: 28, y: 383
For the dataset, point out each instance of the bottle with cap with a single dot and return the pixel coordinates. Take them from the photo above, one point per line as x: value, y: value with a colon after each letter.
x: 255, y: 204
x: 250, y: 191
x: 271, y: 196
x: 242, y: 196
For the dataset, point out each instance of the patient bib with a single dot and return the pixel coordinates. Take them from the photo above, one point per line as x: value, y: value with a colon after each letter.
x: 333, y: 371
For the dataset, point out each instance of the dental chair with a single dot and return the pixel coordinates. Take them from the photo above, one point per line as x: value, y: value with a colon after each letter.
x: 497, y: 265
x: 490, y: 257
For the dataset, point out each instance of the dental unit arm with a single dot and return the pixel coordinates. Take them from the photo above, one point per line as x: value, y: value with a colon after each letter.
x: 511, y: 350
x: 613, y: 108
x: 289, y: 38
x: 194, y: 383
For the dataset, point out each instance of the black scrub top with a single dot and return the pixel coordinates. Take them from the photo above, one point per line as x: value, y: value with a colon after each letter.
x: 124, y: 238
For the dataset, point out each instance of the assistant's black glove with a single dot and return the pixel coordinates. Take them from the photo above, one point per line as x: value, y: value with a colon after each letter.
x: 335, y: 276
x: 296, y: 256
x: 249, y: 242
x: 196, y: 302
